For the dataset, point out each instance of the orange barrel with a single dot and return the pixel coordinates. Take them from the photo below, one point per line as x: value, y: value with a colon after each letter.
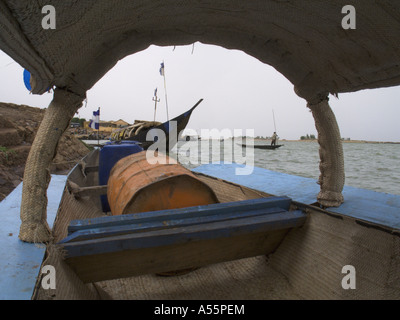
x: 135, y: 185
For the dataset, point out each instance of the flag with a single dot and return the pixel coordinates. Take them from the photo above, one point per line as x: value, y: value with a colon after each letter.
x: 162, y: 69
x: 95, y: 122
x: 27, y: 80
x: 155, y: 92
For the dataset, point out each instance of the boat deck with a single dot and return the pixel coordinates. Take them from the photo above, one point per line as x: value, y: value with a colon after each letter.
x: 359, y: 203
x: 20, y: 263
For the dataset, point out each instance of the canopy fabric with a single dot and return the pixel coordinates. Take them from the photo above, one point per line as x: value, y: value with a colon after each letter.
x: 304, y: 40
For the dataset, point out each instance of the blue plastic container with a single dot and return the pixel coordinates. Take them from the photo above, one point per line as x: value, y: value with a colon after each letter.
x: 110, y: 154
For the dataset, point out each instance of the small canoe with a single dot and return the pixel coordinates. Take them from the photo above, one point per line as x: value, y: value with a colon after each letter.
x: 268, y: 147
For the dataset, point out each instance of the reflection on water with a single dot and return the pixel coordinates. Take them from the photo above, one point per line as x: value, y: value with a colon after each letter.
x: 369, y: 166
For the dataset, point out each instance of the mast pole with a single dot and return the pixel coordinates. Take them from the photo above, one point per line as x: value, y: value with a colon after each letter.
x: 273, y: 115
x: 162, y: 70
x: 98, y: 129
x: 155, y: 106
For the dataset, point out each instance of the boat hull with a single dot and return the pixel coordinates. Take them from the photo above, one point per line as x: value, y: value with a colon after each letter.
x: 307, y: 263
x: 166, y: 128
x: 265, y: 147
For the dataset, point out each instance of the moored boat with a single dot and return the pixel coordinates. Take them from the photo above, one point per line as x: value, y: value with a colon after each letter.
x: 140, y: 131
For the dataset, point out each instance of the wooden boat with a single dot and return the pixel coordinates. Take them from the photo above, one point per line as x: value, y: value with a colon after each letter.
x: 347, y: 251
x: 102, y: 256
x: 264, y: 146
x: 139, y: 131
x: 169, y: 239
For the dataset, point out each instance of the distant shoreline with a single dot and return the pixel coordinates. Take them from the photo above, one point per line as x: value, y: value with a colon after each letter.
x: 310, y: 140
x: 344, y: 141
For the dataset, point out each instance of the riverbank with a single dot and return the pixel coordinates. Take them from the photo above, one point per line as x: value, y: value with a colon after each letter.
x: 18, y: 127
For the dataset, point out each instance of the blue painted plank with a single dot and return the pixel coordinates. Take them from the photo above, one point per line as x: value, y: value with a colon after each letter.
x: 304, y: 190
x: 376, y: 207
x: 20, y: 261
x: 197, y: 211
x: 368, y: 205
x: 107, y: 231
x: 175, y: 236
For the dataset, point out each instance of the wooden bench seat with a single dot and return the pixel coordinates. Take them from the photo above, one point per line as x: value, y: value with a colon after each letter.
x: 151, y: 242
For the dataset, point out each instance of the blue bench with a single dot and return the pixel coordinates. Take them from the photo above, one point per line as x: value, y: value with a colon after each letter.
x: 151, y: 242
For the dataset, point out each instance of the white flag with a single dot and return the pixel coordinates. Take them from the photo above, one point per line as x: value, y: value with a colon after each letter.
x: 95, y: 122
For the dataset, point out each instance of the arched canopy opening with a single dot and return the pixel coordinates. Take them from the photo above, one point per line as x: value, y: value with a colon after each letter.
x: 305, y: 41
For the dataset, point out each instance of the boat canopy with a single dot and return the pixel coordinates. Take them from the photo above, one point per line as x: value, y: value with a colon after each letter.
x: 323, y: 48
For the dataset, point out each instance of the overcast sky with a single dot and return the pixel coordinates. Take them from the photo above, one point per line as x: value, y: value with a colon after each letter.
x: 239, y: 92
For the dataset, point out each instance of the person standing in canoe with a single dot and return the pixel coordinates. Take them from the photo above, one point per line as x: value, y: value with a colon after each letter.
x: 273, y: 139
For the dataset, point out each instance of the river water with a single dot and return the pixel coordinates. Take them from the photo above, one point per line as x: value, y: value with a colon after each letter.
x: 367, y: 165
x: 373, y: 166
